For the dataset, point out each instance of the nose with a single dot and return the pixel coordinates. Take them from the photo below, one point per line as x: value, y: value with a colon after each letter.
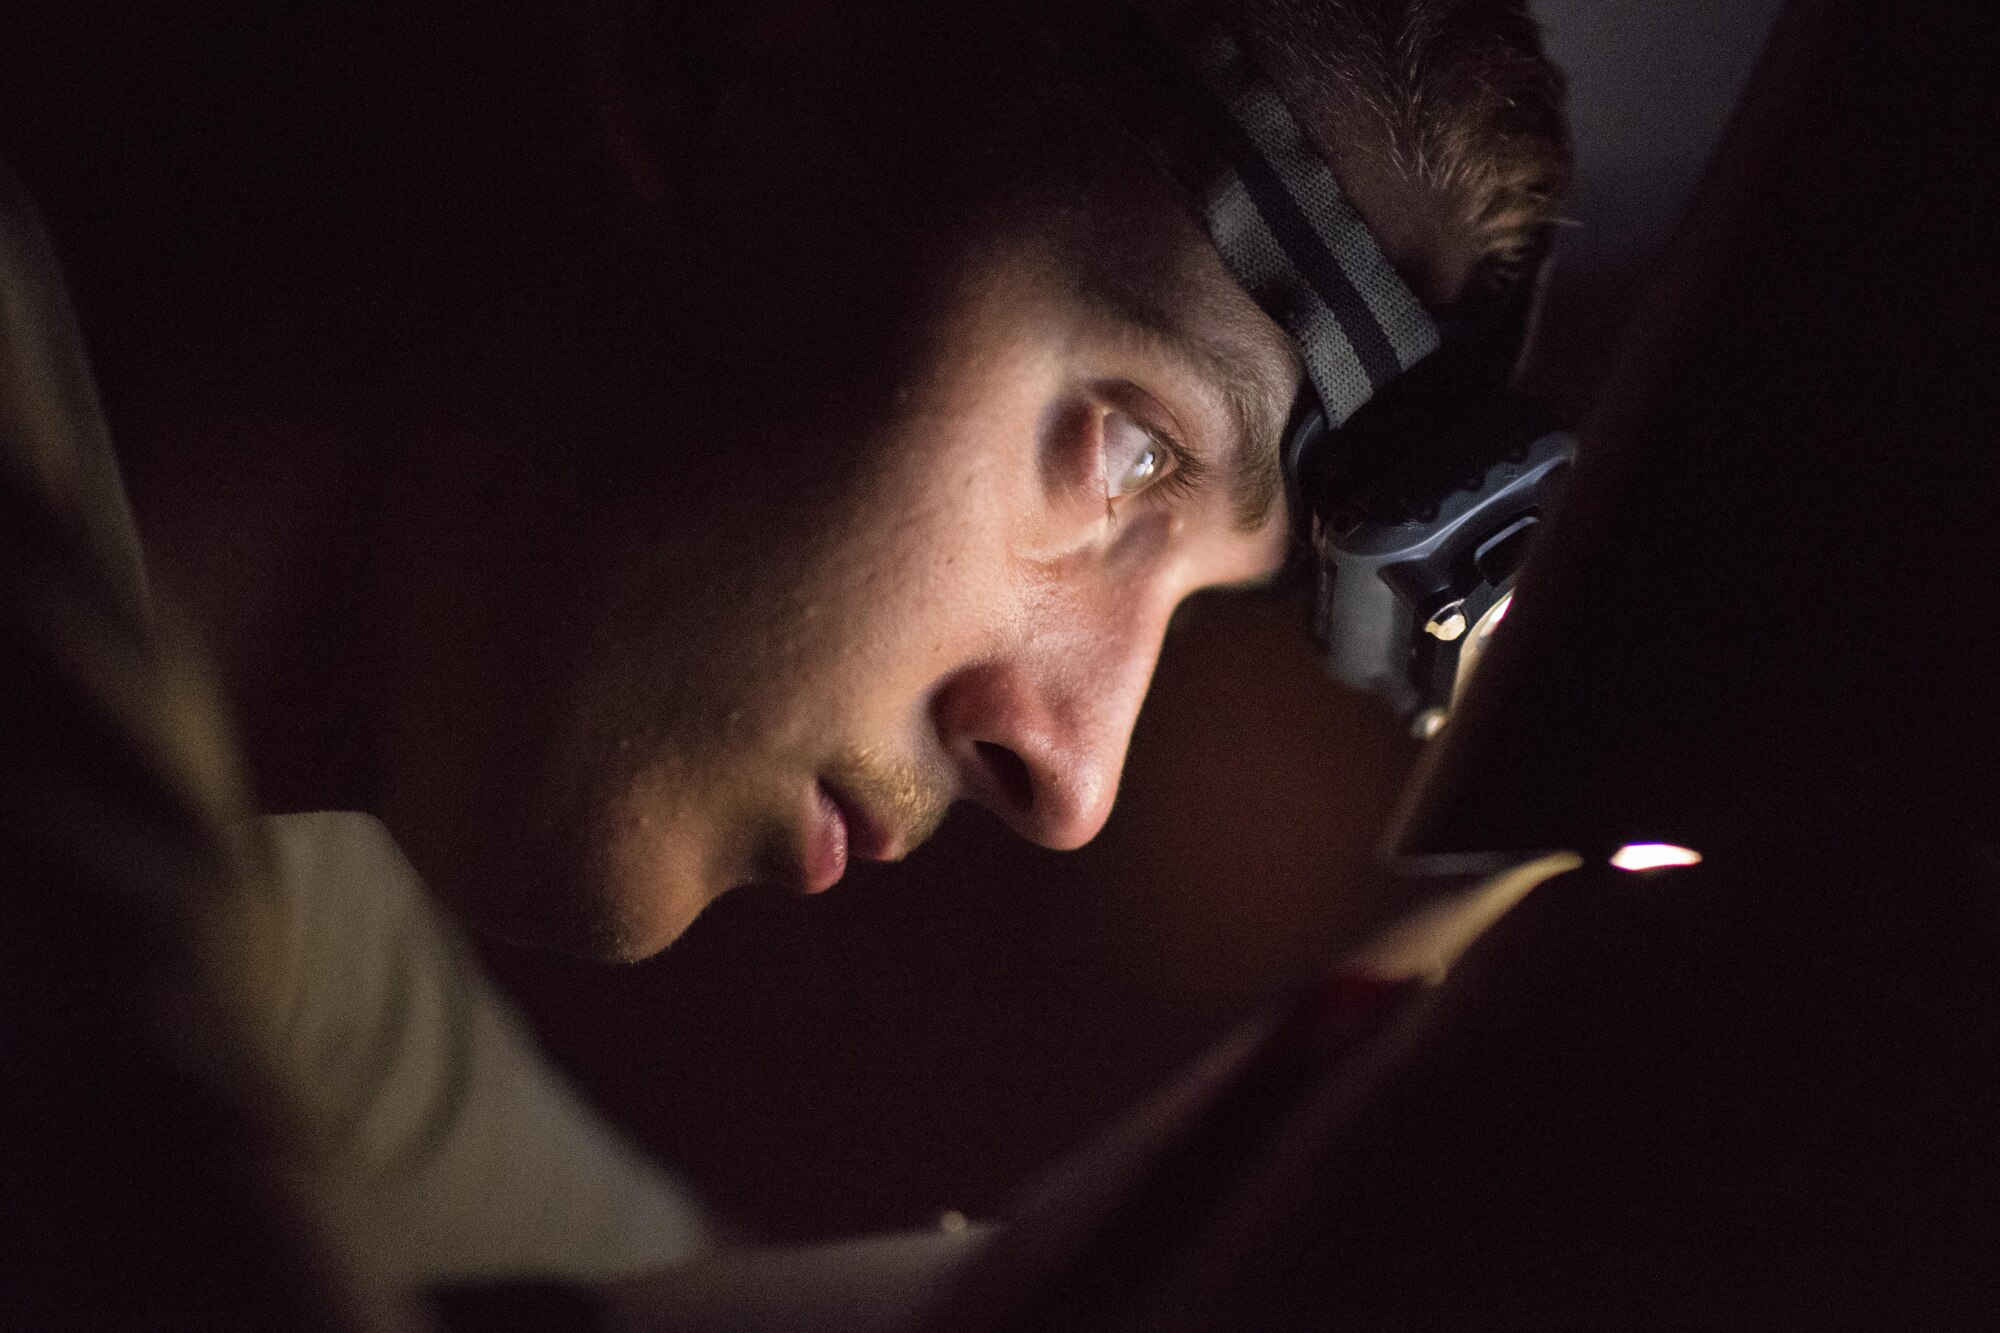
x: 1038, y: 732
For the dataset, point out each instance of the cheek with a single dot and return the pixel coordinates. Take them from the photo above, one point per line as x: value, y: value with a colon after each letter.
x: 922, y: 584
x: 1216, y: 552
x: 917, y: 581
x: 912, y: 577
x: 1259, y: 555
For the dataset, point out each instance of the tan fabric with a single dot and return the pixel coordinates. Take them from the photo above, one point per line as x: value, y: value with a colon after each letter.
x: 469, y: 1153
x: 472, y: 1155
x: 1425, y: 944
x: 149, y: 1168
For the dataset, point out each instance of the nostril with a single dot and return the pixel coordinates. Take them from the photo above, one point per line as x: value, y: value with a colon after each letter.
x: 1010, y: 771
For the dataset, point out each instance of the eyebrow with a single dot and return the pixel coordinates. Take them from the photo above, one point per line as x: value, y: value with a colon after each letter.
x: 1255, y: 478
x: 1256, y: 422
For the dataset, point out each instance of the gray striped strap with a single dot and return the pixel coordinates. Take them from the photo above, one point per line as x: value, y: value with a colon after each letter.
x: 1278, y: 218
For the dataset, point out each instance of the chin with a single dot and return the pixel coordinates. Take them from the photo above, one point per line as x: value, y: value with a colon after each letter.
x: 651, y: 882
x: 595, y: 922
x: 638, y: 926
x: 584, y: 901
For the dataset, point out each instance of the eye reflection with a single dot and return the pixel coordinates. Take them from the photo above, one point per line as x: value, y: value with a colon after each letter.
x: 1134, y: 457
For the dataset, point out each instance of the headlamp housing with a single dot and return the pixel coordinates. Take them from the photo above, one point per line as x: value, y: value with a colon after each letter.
x: 1416, y: 476
x: 1416, y: 515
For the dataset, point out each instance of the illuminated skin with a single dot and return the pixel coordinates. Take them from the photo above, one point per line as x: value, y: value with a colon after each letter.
x: 968, y: 605
x: 1051, y: 492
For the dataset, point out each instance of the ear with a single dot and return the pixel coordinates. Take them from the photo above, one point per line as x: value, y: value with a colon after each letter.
x: 660, y: 71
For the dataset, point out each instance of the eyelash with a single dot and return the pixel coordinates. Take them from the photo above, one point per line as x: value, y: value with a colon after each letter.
x: 1185, y: 472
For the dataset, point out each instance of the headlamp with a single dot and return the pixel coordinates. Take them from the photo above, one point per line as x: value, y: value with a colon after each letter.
x: 1416, y: 516
x: 1416, y: 477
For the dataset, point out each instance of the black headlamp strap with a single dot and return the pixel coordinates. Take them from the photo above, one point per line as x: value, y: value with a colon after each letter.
x: 1278, y: 218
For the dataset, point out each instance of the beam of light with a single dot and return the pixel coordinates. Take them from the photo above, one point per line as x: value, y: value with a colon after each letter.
x: 1653, y: 855
x: 1475, y: 643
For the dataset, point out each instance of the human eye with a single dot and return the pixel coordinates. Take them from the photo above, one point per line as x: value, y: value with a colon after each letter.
x: 1135, y: 456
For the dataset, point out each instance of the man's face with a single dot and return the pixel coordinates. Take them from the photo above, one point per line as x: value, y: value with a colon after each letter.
x: 960, y: 596
x: 907, y: 543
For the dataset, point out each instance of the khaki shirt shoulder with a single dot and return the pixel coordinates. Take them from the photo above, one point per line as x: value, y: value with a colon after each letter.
x: 469, y: 1152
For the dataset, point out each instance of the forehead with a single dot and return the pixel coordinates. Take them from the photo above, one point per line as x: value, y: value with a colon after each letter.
x: 1151, y: 267
x: 1142, y: 266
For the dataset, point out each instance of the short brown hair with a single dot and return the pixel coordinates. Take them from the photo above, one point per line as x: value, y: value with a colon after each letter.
x: 1454, y: 97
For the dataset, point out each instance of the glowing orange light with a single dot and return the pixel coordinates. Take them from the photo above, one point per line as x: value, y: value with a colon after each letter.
x: 1653, y: 855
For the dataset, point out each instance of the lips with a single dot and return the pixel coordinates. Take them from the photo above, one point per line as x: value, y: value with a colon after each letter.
x: 841, y: 829
x: 868, y: 838
x: 827, y: 844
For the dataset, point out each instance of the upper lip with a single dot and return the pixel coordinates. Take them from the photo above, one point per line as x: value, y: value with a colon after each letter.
x: 868, y: 838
